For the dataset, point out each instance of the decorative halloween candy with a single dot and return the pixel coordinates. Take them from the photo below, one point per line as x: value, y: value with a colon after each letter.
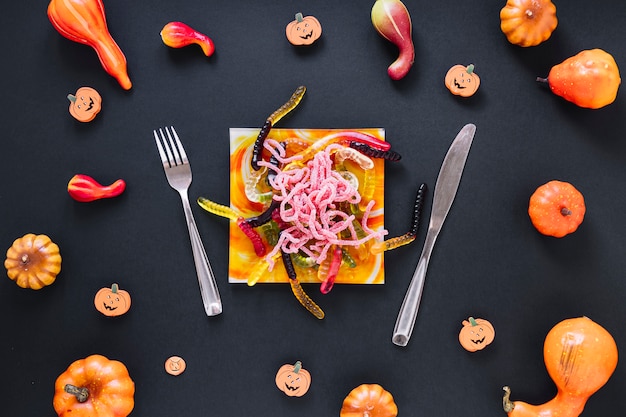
x: 462, y: 81
x: 392, y: 21
x: 369, y: 400
x: 85, y: 189
x: 528, y: 22
x: 175, y: 365
x: 84, y: 21
x: 303, y: 30
x: 33, y: 261
x: 556, y: 208
x: 94, y: 387
x: 112, y: 302
x: 476, y: 334
x: 293, y: 380
x: 408, y: 237
x: 85, y: 105
x: 589, y: 79
x: 179, y: 35
x: 580, y: 356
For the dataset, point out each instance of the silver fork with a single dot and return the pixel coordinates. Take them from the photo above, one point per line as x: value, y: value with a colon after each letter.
x: 178, y: 173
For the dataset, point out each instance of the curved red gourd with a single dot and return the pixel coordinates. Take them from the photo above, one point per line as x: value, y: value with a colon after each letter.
x: 393, y: 22
x: 84, y: 21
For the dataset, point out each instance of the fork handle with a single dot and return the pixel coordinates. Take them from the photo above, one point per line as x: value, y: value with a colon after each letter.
x: 208, y: 287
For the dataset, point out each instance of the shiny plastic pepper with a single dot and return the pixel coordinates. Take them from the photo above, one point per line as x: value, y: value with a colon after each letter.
x: 83, y: 188
x: 589, y: 79
x: 178, y: 35
x: 84, y: 21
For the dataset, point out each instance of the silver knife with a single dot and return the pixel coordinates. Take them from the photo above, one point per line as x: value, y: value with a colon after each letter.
x: 445, y: 191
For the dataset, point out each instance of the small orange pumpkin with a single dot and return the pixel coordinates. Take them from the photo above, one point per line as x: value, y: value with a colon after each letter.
x: 85, y: 104
x: 369, y: 400
x: 462, y: 81
x: 293, y: 380
x: 556, y: 208
x: 303, y: 30
x: 94, y: 387
x: 476, y: 334
x: 528, y: 22
x: 112, y: 301
x: 33, y: 261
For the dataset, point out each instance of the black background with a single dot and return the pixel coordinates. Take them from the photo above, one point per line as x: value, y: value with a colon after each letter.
x: 488, y: 262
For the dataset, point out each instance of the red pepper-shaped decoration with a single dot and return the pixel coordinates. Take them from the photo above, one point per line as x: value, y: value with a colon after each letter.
x: 83, y: 188
x: 393, y: 22
x: 178, y: 35
x: 84, y: 21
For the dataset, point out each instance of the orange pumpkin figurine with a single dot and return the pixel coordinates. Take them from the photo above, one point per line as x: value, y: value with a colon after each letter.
x: 580, y: 356
x: 112, y: 301
x: 33, y: 261
x: 528, y: 22
x: 462, y: 81
x: 85, y: 104
x: 293, y: 380
x: 476, y: 334
x: 303, y: 30
x: 556, y: 208
x: 369, y: 400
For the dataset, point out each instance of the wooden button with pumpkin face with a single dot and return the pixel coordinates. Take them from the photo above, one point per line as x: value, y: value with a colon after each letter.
x: 112, y: 301
x: 293, y: 380
x: 462, y: 81
x: 85, y: 104
x: 175, y: 365
x: 303, y: 30
x: 476, y: 334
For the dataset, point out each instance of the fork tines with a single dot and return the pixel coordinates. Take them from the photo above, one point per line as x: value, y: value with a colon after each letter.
x: 172, y: 154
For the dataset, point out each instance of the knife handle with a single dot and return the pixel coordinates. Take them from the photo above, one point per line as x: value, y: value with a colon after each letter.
x: 410, y: 305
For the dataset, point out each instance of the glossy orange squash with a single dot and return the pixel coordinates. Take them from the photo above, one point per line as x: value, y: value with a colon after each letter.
x: 33, y: 261
x: 369, y: 400
x: 528, y: 22
x: 556, y: 208
x: 94, y: 387
x: 580, y: 356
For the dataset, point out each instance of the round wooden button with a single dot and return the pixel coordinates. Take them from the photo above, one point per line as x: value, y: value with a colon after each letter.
x: 175, y: 365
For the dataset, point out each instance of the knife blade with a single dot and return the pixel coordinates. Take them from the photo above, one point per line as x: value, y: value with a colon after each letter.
x: 445, y: 190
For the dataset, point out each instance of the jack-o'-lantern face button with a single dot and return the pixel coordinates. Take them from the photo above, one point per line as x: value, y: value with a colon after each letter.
x: 462, y: 81
x: 112, y: 301
x: 175, y: 365
x: 85, y: 104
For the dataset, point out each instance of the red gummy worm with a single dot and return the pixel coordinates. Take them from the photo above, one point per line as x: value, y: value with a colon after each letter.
x: 253, y: 235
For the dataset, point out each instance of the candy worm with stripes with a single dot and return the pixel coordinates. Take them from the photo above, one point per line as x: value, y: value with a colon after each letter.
x: 372, y: 152
x: 291, y: 104
x: 409, y: 236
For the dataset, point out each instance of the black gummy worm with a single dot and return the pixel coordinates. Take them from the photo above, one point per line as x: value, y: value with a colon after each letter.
x: 365, y: 149
x: 417, y: 209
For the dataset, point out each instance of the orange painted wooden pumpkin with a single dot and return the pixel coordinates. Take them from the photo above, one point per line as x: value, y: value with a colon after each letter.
x: 476, y: 334
x: 112, y: 301
x: 556, y: 208
x: 303, y: 30
x: 528, y: 22
x: 33, y: 261
x: 293, y: 380
x: 462, y: 81
x: 94, y: 387
x: 85, y: 104
x: 369, y: 400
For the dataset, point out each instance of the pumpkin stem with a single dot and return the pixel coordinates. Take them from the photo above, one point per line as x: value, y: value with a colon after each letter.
x: 81, y: 394
x: 542, y: 80
x: 25, y: 259
x: 470, y: 68
x: 297, y: 366
x: 472, y: 321
x: 507, y: 404
x: 114, y: 288
x: 299, y: 17
x: 566, y: 212
x: 71, y: 98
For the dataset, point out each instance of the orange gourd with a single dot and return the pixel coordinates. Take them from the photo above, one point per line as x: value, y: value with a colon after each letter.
x: 580, y: 356
x: 462, y: 81
x: 293, y: 380
x: 528, y: 22
x: 94, y: 387
x: 303, y: 30
x: 556, y: 208
x: 112, y: 301
x: 369, y: 400
x: 476, y: 334
x: 33, y: 261
x: 85, y: 104
x: 84, y: 21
